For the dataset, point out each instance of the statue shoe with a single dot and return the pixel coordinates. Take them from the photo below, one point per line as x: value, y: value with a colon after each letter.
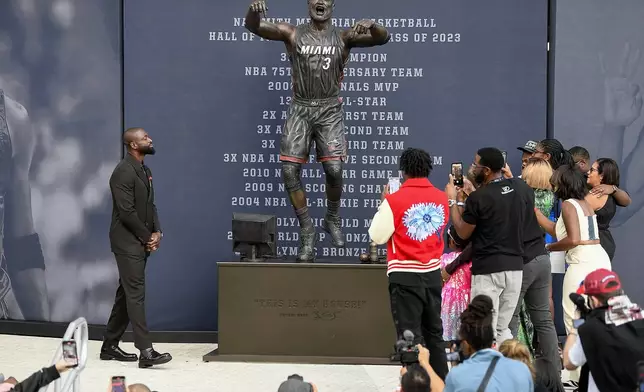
x: 331, y: 225
x: 306, y: 252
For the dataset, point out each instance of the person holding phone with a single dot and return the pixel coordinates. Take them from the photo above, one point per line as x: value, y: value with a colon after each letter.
x: 494, y: 218
x: 38, y: 380
x: 412, y: 223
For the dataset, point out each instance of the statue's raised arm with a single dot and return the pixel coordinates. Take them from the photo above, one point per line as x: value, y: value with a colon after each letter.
x: 366, y: 34
x: 267, y: 30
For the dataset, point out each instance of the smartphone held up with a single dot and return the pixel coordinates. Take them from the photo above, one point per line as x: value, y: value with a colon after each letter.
x: 70, y: 353
x: 457, y: 173
x: 394, y: 184
x: 118, y: 384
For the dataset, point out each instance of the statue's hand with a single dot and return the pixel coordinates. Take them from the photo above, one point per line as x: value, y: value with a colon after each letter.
x: 622, y: 98
x: 259, y: 6
x: 363, y: 26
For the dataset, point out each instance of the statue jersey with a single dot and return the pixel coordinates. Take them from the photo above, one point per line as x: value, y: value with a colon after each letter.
x: 317, y: 63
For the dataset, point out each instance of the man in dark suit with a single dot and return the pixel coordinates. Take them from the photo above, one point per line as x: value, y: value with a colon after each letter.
x: 135, y: 232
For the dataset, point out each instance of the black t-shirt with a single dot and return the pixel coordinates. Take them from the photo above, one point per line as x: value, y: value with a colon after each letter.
x: 498, y: 210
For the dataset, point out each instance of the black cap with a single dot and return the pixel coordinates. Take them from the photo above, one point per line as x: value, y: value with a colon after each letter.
x: 529, y: 147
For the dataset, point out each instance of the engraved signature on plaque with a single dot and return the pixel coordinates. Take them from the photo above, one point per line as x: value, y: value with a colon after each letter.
x: 320, y: 309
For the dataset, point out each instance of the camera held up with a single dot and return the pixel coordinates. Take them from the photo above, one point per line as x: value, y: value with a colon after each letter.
x: 406, y: 350
x: 580, y: 303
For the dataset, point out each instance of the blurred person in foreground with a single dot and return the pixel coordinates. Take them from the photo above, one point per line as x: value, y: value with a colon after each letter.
x: 296, y: 383
x: 518, y: 351
x: 610, y: 342
x: 36, y: 381
x: 420, y: 377
x: 412, y: 223
x: 485, y: 369
x: 135, y: 232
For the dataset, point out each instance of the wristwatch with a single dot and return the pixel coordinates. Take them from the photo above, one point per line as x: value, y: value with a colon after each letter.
x: 615, y: 188
x: 451, y: 202
x: 460, y: 204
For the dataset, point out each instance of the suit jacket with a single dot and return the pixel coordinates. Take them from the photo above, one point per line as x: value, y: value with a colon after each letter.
x: 134, y: 215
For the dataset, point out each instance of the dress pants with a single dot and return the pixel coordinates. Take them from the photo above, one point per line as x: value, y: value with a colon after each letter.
x: 129, y: 304
x: 418, y: 309
x: 535, y: 290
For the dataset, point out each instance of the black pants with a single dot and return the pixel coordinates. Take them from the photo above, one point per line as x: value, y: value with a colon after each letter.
x: 129, y: 305
x: 418, y: 309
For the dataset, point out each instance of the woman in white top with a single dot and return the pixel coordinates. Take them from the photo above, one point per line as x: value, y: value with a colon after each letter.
x: 576, y: 232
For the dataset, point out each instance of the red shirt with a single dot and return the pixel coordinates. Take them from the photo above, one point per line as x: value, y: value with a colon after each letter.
x: 420, y: 215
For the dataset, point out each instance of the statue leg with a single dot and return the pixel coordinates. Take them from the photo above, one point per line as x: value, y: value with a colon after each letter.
x: 331, y: 149
x: 332, y: 222
x: 294, y: 151
x: 291, y: 173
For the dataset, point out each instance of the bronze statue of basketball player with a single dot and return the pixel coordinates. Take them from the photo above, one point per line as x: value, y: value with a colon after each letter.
x: 318, y: 53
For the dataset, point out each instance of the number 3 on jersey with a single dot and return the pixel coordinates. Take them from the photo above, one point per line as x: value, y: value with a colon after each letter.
x: 327, y: 63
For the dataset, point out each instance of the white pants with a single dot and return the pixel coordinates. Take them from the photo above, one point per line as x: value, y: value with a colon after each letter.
x: 504, y: 288
x: 575, y: 274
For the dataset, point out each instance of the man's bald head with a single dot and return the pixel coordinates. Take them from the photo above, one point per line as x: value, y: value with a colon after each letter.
x: 137, y: 140
x: 138, y: 388
x: 132, y: 135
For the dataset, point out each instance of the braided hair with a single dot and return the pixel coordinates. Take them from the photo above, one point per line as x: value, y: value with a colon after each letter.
x: 558, y: 154
x: 476, y: 323
x: 416, y: 163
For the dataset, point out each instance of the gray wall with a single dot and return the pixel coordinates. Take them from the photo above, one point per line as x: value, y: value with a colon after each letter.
x: 601, y: 110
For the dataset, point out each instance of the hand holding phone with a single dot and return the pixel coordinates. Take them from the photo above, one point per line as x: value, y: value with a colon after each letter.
x: 70, y: 353
x: 118, y: 384
x: 394, y: 184
x: 457, y: 173
x: 505, y: 157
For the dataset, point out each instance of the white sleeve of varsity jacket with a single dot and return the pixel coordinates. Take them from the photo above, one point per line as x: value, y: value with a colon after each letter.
x: 382, y: 224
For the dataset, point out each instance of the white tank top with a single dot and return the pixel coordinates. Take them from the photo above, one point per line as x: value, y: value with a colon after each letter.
x: 588, y: 231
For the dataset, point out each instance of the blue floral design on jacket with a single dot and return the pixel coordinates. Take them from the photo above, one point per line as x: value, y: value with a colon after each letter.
x: 423, y: 220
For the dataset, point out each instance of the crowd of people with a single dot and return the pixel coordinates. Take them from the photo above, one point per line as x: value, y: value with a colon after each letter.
x: 490, y: 295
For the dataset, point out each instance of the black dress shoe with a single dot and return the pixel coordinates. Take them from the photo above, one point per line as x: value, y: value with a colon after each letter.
x: 151, y: 357
x: 114, y: 353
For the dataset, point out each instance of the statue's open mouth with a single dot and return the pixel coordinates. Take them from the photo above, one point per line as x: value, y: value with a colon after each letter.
x: 319, y: 10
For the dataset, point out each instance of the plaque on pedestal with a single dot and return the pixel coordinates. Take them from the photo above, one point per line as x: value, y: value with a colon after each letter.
x: 304, y: 313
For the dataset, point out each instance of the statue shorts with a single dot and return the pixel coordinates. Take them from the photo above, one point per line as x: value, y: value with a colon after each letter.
x: 321, y: 121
